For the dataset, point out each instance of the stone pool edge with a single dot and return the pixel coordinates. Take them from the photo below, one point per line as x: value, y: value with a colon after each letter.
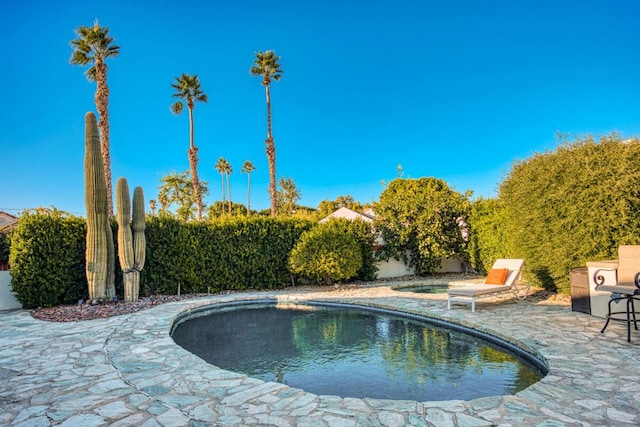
x: 171, y: 375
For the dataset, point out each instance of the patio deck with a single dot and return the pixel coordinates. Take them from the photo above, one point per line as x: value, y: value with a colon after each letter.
x: 126, y: 370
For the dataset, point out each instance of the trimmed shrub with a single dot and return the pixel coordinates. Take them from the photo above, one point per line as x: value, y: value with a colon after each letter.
x: 363, y: 233
x: 487, y: 236
x: 47, y: 259
x: 229, y: 253
x: 572, y: 205
x: 327, y: 254
x: 5, y: 245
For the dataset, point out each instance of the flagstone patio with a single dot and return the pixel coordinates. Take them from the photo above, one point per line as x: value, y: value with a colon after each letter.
x: 126, y: 370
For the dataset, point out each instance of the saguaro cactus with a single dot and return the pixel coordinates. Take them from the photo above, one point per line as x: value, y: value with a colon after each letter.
x: 131, y: 246
x: 97, y: 216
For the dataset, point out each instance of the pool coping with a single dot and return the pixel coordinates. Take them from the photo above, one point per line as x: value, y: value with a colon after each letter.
x: 241, y: 395
x: 126, y: 370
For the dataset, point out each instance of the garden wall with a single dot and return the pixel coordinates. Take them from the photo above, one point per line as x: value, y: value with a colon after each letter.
x: 7, y: 299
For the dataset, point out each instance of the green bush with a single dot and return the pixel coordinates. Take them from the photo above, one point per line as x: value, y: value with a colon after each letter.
x: 4, y: 248
x: 327, y: 254
x: 363, y: 233
x: 47, y: 259
x: 229, y: 253
x: 421, y: 222
x: 572, y: 205
x: 487, y: 236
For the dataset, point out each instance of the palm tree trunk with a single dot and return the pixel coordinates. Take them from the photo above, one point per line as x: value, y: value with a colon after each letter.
x: 101, y: 98
x: 193, y: 163
x: 229, y: 193
x: 223, y: 197
x: 271, y: 155
x: 248, y: 193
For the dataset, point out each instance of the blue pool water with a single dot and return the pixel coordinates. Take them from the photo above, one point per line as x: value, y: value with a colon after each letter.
x: 353, y: 352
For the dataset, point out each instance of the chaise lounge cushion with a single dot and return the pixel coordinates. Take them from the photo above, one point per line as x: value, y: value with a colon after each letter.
x: 476, y: 290
x: 497, y: 276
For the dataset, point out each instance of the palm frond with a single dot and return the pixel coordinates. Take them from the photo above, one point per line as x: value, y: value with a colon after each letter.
x: 176, y: 108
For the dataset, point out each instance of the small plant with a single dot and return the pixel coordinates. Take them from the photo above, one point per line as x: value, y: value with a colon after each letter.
x: 326, y: 254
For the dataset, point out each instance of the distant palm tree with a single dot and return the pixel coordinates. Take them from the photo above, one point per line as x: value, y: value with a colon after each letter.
x: 92, y: 47
x: 248, y: 167
x: 188, y: 88
x: 221, y: 167
x: 266, y: 65
x: 228, y: 170
x: 153, y: 205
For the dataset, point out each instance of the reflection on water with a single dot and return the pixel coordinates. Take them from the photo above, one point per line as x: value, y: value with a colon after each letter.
x: 354, y: 353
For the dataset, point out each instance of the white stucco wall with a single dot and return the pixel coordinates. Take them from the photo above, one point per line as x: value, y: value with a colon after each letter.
x: 7, y: 299
x: 394, y: 268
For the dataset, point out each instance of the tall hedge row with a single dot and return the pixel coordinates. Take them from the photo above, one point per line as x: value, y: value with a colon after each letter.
x: 4, y: 248
x: 572, y: 205
x: 47, y: 259
x: 227, y: 254
x: 487, y: 237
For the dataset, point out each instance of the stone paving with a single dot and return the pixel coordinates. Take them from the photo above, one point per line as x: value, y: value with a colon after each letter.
x: 126, y: 370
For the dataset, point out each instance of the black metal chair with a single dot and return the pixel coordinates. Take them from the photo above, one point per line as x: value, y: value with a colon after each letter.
x: 626, y: 288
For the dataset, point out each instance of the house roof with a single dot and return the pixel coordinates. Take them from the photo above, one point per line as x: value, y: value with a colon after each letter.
x: 7, y: 221
x: 349, y: 214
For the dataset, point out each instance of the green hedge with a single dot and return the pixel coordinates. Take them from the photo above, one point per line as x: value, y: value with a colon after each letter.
x: 572, y: 205
x: 47, y: 259
x: 4, y: 248
x: 226, y: 254
x: 487, y: 236
x: 329, y: 252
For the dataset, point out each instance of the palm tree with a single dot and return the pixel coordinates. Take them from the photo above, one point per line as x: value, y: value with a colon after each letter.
x: 248, y: 167
x: 221, y: 167
x: 188, y: 89
x: 228, y: 170
x: 288, y: 196
x: 92, y: 47
x: 266, y: 65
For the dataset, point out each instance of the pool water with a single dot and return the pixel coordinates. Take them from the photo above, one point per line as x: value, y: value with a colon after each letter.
x: 352, y: 352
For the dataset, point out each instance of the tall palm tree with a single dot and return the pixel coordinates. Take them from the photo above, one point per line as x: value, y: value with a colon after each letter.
x: 228, y: 170
x: 188, y: 89
x: 221, y: 167
x: 248, y: 167
x: 92, y: 47
x: 266, y: 65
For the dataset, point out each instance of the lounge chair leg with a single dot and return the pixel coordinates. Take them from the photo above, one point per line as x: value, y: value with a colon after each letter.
x: 629, y: 304
x: 449, y: 303
x: 473, y: 305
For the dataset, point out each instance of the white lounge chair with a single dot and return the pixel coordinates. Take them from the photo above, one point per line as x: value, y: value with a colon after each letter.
x: 505, y: 270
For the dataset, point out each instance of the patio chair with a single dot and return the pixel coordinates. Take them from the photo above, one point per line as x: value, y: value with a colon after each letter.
x: 501, y: 279
x: 626, y: 288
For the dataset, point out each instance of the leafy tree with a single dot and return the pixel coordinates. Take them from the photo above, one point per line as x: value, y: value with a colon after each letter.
x: 326, y: 254
x: 188, y: 89
x: 218, y: 209
x: 92, y: 47
x: 288, y: 196
x: 266, y: 66
x: 327, y: 207
x: 420, y: 221
x: 247, y: 167
x: 178, y: 189
x: 575, y: 204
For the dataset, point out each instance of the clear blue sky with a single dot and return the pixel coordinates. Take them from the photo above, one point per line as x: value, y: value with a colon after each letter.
x: 457, y: 90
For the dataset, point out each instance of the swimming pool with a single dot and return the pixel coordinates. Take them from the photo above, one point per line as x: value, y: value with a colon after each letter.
x: 352, y: 351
